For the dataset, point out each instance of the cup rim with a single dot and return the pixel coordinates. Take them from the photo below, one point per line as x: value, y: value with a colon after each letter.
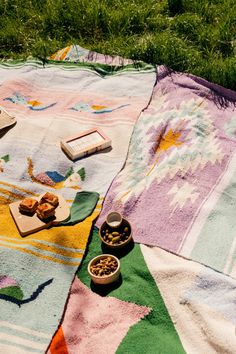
x: 120, y: 217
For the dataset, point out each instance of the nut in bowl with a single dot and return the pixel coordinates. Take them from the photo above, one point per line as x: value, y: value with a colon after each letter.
x: 116, y: 237
x: 104, y: 269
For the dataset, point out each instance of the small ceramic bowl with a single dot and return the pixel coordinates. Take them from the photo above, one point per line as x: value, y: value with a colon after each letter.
x: 116, y: 237
x: 114, y: 219
x: 104, y: 279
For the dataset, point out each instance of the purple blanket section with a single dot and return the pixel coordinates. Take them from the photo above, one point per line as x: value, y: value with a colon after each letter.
x: 155, y: 219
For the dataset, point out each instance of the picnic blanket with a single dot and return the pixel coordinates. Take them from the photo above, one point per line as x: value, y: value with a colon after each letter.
x: 52, y: 101
x: 178, y: 306
x: 177, y: 187
x: 162, y: 303
x: 184, y: 305
x: 77, y: 54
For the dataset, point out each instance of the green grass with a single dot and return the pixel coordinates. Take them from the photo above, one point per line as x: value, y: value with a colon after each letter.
x: 196, y: 36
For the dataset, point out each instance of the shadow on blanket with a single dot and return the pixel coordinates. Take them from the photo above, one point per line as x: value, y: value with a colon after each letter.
x: 104, y: 290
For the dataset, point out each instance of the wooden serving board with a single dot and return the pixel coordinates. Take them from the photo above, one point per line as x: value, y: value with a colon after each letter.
x: 29, y: 224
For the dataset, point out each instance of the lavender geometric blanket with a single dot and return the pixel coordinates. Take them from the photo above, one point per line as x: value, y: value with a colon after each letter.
x: 177, y: 187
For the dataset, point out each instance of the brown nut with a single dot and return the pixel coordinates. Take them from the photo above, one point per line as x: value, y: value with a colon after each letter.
x: 116, y: 239
x: 104, y: 266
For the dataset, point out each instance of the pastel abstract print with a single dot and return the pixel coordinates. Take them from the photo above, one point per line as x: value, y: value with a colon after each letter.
x: 54, y: 179
x: 3, y: 160
x: 180, y: 173
x: 37, y: 271
x: 10, y: 291
x: 95, y: 108
x: 31, y: 103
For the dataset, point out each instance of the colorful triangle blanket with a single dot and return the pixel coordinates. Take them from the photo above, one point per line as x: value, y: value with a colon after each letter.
x: 162, y: 304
